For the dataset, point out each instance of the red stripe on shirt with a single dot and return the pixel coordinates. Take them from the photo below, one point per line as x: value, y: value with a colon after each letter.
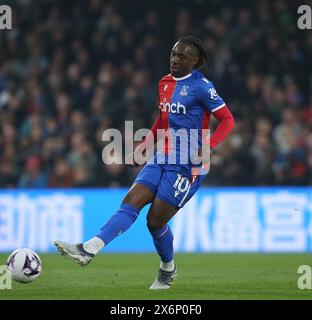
x: 166, y: 89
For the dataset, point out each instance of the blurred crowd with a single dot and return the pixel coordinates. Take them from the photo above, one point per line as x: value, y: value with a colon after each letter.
x: 71, y: 69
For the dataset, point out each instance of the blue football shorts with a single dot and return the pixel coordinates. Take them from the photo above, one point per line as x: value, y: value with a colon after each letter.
x: 169, y: 184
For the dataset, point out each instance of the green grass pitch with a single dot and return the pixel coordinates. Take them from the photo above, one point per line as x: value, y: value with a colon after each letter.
x: 200, y: 276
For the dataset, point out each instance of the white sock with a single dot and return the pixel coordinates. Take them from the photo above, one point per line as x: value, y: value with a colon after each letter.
x: 94, y: 245
x: 167, y: 266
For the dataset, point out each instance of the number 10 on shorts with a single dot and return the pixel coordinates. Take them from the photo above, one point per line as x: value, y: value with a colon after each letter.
x: 181, y: 185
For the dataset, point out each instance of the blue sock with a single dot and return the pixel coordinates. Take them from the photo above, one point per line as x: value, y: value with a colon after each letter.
x: 118, y: 223
x: 163, y: 241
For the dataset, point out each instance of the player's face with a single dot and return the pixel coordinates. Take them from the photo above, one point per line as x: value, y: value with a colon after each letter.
x: 182, y: 59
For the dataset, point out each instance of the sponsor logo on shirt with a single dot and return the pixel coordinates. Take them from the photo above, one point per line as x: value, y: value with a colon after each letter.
x: 172, y: 107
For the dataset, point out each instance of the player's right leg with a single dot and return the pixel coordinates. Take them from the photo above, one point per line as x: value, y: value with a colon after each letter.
x: 82, y: 253
x: 74, y: 252
x: 141, y: 193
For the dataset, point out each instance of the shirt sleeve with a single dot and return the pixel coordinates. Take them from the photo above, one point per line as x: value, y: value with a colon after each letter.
x: 208, y: 96
x: 225, y: 126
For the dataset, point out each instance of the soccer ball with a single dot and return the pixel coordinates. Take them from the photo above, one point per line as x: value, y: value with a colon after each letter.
x: 25, y: 265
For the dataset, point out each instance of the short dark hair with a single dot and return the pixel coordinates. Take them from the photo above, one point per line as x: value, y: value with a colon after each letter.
x: 199, y: 47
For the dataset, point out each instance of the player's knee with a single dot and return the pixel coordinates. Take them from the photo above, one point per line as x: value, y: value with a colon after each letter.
x: 129, y: 198
x: 134, y: 199
x: 154, y: 223
x: 138, y: 196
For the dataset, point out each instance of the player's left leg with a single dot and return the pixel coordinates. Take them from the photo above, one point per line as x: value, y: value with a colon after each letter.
x: 174, y: 191
x: 158, y: 216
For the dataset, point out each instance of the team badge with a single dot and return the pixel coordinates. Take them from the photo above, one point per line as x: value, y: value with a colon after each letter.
x: 183, y: 91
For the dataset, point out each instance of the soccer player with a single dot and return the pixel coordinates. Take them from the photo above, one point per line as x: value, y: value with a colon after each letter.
x: 186, y: 101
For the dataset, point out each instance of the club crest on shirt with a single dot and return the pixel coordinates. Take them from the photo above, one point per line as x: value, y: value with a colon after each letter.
x: 183, y: 91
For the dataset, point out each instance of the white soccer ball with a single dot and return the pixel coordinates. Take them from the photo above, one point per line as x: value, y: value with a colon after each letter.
x: 25, y: 265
